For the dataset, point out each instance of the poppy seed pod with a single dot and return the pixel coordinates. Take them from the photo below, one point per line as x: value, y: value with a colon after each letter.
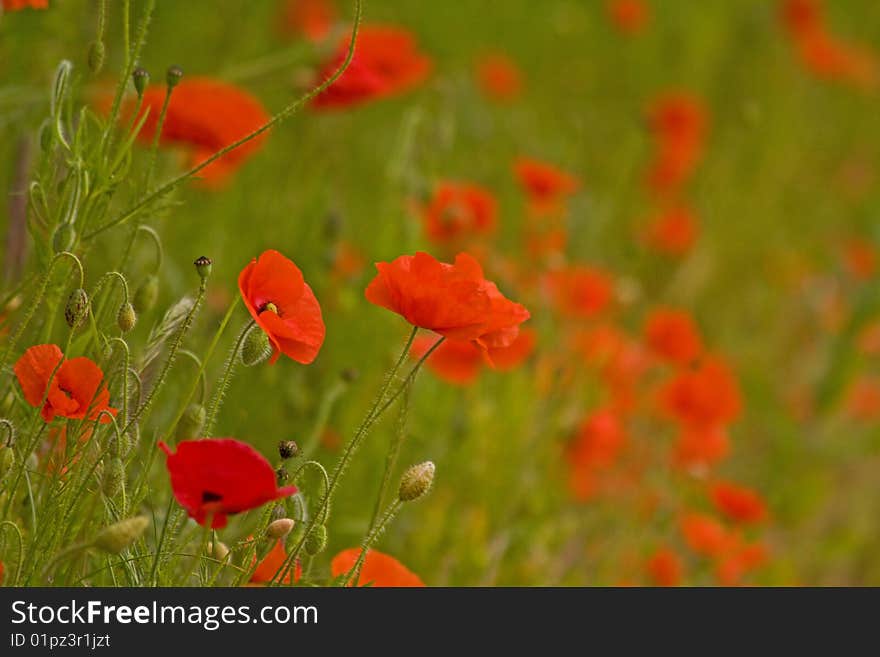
x: 191, y: 423
x: 126, y: 318
x: 204, y: 265
x: 416, y: 481
x: 141, y: 78
x: 279, y: 528
x: 147, y: 294
x: 64, y: 237
x: 97, y: 53
x: 316, y: 540
x: 77, y: 307
x: 115, y: 538
x: 287, y: 449
x: 113, y: 477
x: 173, y: 76
x: 256, y: 347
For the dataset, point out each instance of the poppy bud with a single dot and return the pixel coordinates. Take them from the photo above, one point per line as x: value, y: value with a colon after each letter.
x: 147, y: 294
x: 64, y: 237
x: 287, y: 449
x: 115, y: 538
x: 126, y: 317
x: 141, y: 78
x: 204, y: 265
x: 278, y: 511
x: 281, y: 475
x: 97, y: 52
x: 191, y: 423
x: 218, y: 550
x: 172, y: 76
x: 349, y: 375
x: 256, y: 347
x: 279, y: 528
x: 316, y: 540
x: 7, y: 460
x: 416, y: 481
x: 113, y: 477
x: 77, y: 307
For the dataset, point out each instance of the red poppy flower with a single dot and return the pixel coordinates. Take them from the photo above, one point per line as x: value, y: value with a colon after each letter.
x: 55, y: 451
x: 499, y: 77
x: 378, y: 569
x: 453, y: 300
x: 701, y: 447
x: 580, y: 291
x: 386, y: 62
x: 18, y: 5
x: 673, y: 336
x: 546, y: 186
x: 735, y: 565
x: 860, y: 259
x: 802, y: 16
x: 739, y: 503
x: 862, y: 401
x: 458, y: 211
x: 665, y: 568
x: 204, y: 116
x: 599, y: 441
x: 707, y: 396
x: 678, y: 122
x: 704, y: 534
x: 628, y: 16
x: 270, y: 565
x: 216, y: 477
x: 310, y: 18
x: 673, y: 231
x: 284, y: 306
x: 76, y: 390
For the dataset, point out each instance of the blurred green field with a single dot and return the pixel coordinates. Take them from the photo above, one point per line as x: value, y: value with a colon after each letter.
x: 775, y: 197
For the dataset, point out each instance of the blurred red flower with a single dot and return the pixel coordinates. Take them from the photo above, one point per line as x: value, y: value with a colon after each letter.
x: 216, y: 477
x: 284, y: 306
x: 379, y: 569
x: 701, y: 447
x: 673, y: 336
x: 739, y: 503
x: 628, y: 16
x: 704, y: 534
x: 458, y: 211
x: 271, y: 564
x: 678, y: 122
x: 665, y: 568
x: 499, y: 77
x: 673, y: 231
x: 386, y: 62
x: 733, y: 566
x: 860, y: 258
x: 579, y: 290
x: 17, y: 5
x: 312, y: 19
x: 546, y: 186
x: 75, y: 391
x: 703, y: 397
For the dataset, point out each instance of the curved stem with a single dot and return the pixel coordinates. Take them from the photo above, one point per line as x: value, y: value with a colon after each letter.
x: 220, y: 392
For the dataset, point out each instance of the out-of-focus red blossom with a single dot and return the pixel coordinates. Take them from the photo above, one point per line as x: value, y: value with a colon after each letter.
x: 271, y: 564
x: 458, y: 212
x: 546, y: 241
x: 386, y: 62
x: 665, y: 568
x: 678, y: 122
x: 379, y: 569
x: 284, y: 306
x: 673, y: 231
x: 622, y: 373
x: 312, y: 19
x: 454, y: 300
x: 628, y: 16
x: 733, y: 566
x: 2, y: 572
x: 599, y: 441
x: 869, y: 339
x: 673, y: 336
x: 739, y: 503
x: 704, y: 534
x: 499, y: 77
x: 580, y: 290
x: 701, y: 447
x: 860, y: 259
x: 703, y: 397
x: 802, y: 16
x: 546, y: 186
x: 204, y: 116
x: 862, y: 400
x: 55, y: 449
x: 18, y: 5
x: 348, y: 262
x: 74, y: 390
x: 216, y: 477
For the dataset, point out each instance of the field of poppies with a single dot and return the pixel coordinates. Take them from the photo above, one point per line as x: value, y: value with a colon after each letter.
x: 329, y: 292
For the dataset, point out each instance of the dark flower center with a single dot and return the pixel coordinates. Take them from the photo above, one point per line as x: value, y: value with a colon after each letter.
x: 210, y: 496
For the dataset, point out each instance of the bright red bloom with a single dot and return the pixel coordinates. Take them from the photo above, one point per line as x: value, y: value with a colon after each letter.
x: 270, y: 565
x: 673, y: 336
x: 310, y: 18
x: 739, y: 503
x: 665, y: 568
x: 75, y: 391
x: 678, y: 122
x: 628, y: 16
x: 546, y: 185
x: 453, y: 300
x: 458, y: 211
x: 673, y: 231
x: 284, y: 306
x: 704, y: 534
x: 599, y: 441
x: 741, y: 560
x: 701, y: 447
x: 704, y: 397
x: 499, y: 77
x: 379, y: 569
x: 580, y: 291
x: 18, y: 5
x: 216, y: 477
x: 386, y: 62
x: 204, y: 116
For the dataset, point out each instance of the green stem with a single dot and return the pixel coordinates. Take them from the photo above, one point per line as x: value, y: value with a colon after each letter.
x: 223, y: 384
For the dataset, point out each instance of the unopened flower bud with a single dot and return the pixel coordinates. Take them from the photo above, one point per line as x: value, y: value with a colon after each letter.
x: 97, y: 53
x: 141, y: 78
x: 349, y: 375
x: 256, y: 347
x: 218, y: 550
x: 126, y: 318
x: 316, y: 540
x: 281, y: 475
x: 77, y: 307
x: 113, y: 477
x: 147, y: 294
x: 64, y: 237
x: 287, y: 449
x: 278, y: 511
x: 279, y: 528
x: 191, y: 422
x: 416, y: 481
x: 115, y: 538
x: 204, y: 265
x: 173, y: 76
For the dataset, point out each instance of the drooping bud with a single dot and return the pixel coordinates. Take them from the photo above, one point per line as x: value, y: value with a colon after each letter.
x: 316, y: 540
x: 113, y: 477
x: 147, y: 294
x: 416, y: 481
x: 77, y: 307
x: 97, y: 53
x: 279, y: 528
x: 126, y: 318
x: 349, y: 375
x: 278, y: 511
x: 173, y: 76
x: 115, y: 538
x: 218, y: 550
x: 204, y: 265
x: 191, y: 422
x: 141, y: 78
x: 256, y: 347
x: 281, y: 475
x: 64, y: 237
x: 287, y: 449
